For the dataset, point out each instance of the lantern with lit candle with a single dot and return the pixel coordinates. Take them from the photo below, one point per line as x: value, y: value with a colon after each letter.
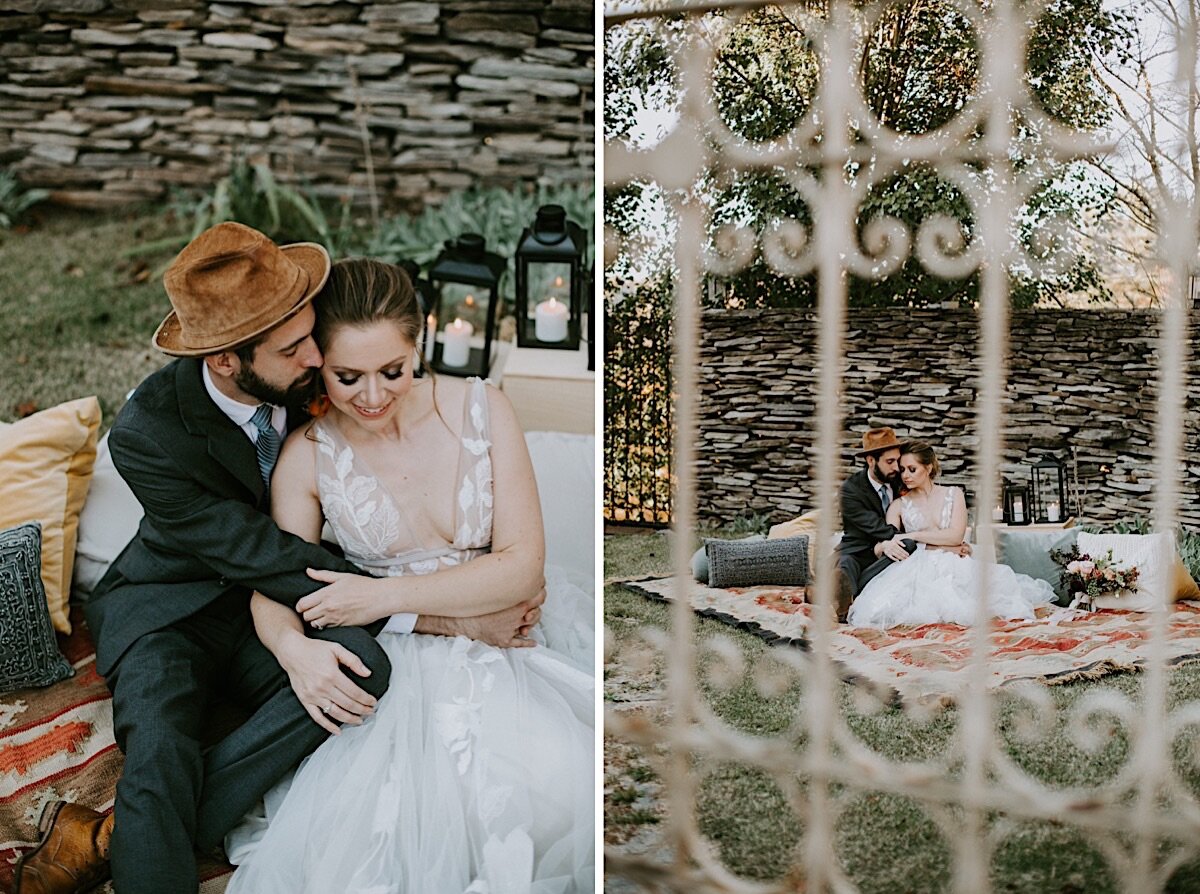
x: 1016, y: 504
x: 465, y: 284
x: 550, y: 281
x: 1049, y: 490
x: 425, y: 298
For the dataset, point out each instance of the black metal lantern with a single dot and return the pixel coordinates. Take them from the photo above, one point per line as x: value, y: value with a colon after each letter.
x: 1016, y: 504
x: 465, y: 283
x: 550, y: 281
x: 1049, y: 490
x: 425, y: 298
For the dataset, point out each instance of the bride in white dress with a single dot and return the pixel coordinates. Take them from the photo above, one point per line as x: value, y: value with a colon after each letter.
x: 474, y: 773
x: 935, y: 585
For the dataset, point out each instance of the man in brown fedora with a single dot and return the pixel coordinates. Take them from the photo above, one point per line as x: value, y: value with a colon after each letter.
x: 171, y: 620
x: 866, y: 547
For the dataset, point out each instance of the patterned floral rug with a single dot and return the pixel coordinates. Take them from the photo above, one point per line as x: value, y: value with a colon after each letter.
x: 926, y: 663
x: 57, y: 744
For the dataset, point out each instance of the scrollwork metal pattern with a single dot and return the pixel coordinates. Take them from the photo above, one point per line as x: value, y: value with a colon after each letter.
x: 1145, y: 819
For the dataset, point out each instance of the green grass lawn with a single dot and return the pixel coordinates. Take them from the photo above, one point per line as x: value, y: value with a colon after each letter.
x: 885, y: 843
x: 77, y: 313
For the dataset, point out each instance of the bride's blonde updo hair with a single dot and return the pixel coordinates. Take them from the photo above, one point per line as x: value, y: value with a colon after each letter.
x: 361, y: 291
x: 923, y: 451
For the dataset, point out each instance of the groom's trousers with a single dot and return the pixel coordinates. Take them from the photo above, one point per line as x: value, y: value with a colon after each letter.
x: 859, y: 568
x: 174, y: 797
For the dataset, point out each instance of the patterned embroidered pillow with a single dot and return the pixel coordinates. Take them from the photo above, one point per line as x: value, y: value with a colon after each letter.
x: 743, y: 563
x: 29, y: 655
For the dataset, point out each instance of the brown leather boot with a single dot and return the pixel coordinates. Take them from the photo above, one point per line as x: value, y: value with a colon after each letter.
x: 72, y: 856
x: 845, y: 596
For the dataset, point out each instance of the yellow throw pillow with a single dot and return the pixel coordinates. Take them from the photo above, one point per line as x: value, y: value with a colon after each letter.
x: 45, y: 469
x: 1184, y: 586
x: 806, y: 524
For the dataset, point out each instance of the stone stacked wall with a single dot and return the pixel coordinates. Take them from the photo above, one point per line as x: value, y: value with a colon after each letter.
x: 108, y: 102
x: 1076, y: 378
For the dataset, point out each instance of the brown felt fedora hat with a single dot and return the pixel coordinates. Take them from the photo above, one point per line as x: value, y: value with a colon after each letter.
x: 876, y: 440
x: 230, y: 284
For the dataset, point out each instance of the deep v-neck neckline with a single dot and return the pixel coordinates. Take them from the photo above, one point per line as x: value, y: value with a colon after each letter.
x: 936, y: 521
x: 399, y: 506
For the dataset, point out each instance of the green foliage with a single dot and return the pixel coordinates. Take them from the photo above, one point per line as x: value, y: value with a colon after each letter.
x: 15, y: 200
x: 745, y: 525
x: 250, y: 194
x: 766, y: 75
x: 638, y: 413
x: 498, y: 214
x: 919, y: 68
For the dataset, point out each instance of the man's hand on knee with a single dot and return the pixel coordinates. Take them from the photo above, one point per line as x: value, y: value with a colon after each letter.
x: 508, y: 628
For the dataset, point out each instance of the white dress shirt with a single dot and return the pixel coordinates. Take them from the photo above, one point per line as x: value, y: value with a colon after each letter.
x: 241, y: 414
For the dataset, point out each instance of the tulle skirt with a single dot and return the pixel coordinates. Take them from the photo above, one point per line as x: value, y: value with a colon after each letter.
x: 475, y: 774
x: 935, y: 586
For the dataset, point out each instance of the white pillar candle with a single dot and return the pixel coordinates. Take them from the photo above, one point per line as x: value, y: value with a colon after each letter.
x: 1052, y: 511
x: 1018, y: 510
x: 456, y: 343
x: 430, y: 337
x: 998, y: 513
x: 550, y: 321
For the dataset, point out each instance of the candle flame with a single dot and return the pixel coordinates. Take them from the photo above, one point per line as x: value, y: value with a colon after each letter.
x: 558, y: 281
x: 470, y: 301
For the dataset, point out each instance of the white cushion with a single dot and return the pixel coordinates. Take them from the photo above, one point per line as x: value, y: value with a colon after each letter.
x: 107, y: 523
x: 1151, y: 554
x: 565, y: 468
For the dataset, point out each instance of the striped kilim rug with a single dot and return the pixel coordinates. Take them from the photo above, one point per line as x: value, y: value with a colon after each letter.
x: 926, y: 663
x: 57, y: 743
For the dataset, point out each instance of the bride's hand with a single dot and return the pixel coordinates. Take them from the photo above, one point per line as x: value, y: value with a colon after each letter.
x: 314, y: 669
x: 349, y: 600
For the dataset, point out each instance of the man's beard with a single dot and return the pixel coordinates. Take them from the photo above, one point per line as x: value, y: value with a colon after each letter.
x: 256, y: 386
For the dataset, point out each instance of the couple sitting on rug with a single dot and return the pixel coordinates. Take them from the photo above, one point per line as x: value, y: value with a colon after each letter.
x: 902, y: 558
x: 446, y: 734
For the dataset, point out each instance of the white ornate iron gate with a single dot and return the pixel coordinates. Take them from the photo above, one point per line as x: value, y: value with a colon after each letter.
x: 1146, y: 819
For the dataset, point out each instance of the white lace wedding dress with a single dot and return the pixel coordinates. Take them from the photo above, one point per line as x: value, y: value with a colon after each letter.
x: 935, y: 586
x: 476, y: 772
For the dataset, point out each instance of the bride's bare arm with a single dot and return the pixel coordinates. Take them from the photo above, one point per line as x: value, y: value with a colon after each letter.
x: 893, y: 548
x: 313, y: 666
x: 511, y: 574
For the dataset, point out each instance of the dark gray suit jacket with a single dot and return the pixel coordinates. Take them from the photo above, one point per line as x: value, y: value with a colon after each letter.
x: 206, y: 529
x: 863, y: 523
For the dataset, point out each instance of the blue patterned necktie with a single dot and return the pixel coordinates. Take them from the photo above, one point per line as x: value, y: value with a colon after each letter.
x: 267, y: 445
x: 885, y: 494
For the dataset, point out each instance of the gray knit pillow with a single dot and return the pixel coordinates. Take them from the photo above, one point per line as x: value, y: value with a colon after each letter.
x: 741, y: 563
x: 29, y: 654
